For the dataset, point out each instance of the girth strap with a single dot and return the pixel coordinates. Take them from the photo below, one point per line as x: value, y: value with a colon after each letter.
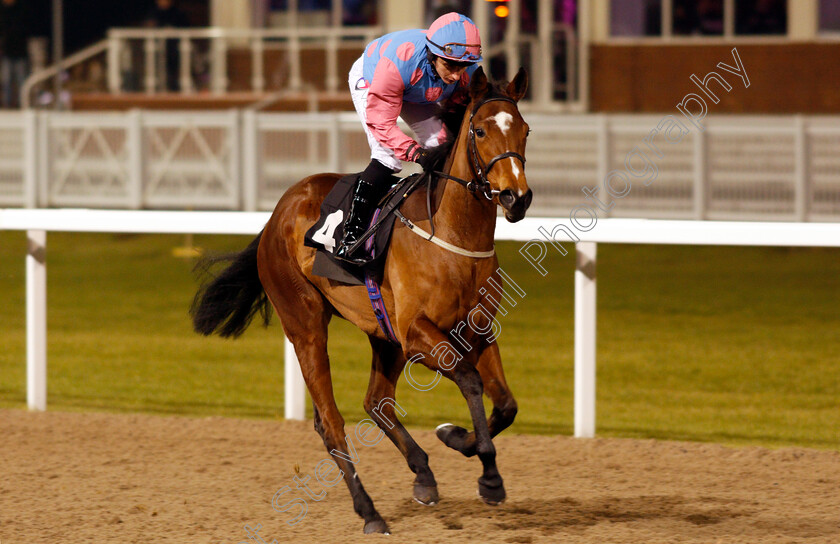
x: 375, y: 294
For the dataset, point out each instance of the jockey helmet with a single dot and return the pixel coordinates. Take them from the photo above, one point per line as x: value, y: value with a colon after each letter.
x: 454, y: 37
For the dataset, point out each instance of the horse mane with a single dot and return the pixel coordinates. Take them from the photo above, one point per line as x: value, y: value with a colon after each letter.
x: 497, y: 89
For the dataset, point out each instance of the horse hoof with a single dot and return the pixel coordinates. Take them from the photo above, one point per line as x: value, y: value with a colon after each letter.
x: 492, y: 496
x: 426, y: 495
x: 377, y: 526
x: 451, y: 435
x: 442, y: 428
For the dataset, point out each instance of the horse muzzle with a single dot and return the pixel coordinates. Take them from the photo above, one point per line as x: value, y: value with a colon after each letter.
x: 515, y: 206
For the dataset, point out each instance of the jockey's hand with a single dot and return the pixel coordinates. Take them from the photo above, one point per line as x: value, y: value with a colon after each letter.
x: 430, y: 158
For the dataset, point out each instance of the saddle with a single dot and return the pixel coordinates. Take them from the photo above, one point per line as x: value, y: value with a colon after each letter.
x: 325, y: 234
x: 328, y: 230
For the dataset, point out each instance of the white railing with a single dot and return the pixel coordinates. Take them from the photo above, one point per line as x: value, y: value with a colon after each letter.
x: 144, y: 59
x: 18, y: 171
x: 536, y: 248
x: 779, y: 168
x: 35, y: 80
x: 204, y: 52
x: 215, y: 43
x: 551, y: 85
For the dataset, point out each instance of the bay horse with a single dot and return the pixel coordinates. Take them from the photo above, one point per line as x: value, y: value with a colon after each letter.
x: 426, y: 289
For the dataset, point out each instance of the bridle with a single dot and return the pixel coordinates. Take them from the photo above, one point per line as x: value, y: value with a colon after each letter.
x: 481, y: 169
x: 479, y: 183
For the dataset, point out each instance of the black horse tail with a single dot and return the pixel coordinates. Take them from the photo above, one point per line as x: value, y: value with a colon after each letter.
x: 228, y: 302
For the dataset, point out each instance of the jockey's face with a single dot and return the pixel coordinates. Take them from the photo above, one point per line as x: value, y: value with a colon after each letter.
x: 449, y: 72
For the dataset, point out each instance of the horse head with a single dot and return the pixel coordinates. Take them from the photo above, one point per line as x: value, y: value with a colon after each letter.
x: 496, y: 139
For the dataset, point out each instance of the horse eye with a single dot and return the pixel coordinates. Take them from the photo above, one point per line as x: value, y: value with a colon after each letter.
x: 480, y: 132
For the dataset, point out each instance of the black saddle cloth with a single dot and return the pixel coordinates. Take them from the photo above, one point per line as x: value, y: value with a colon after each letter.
x: 326, y: 233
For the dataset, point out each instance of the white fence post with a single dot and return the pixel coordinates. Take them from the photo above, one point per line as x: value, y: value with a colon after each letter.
x: 218, y: 72
x: 511, y: 39
x: 332, y: 79
x: 136, y: 158
x: 30, y: 159
x: 802, y: 189
x: 257, y: 64
x: 700, y: 176
x: 234, y: 135
x: 250, y: 160
x: 604, y: 149
x: 36, y: 320
x: 150, y: 50
x: 295, y: 80
x: 585, y: 320
x: 544, y: 88
x: 295, y: 387
x: 185, y: 68
x: 114, y: 56
x: 337, y: 152
x: 43, y: 158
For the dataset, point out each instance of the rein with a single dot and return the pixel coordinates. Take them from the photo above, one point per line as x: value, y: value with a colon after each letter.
x: 481, y: 170
x: 431, y: 236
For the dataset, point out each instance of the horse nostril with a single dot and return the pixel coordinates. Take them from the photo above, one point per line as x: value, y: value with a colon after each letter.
x: 507, y: 198
x: 526, y: 200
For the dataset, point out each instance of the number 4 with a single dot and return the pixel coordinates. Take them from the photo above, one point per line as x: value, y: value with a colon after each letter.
x: 325, y: 235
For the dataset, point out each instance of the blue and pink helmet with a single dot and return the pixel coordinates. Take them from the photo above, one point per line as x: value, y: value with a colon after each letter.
x: 454, y: 37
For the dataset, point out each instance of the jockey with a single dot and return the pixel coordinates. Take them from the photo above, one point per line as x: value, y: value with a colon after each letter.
x: 407, y: 74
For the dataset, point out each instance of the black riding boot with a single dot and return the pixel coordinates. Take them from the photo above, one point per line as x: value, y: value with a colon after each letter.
x: 373, y: 183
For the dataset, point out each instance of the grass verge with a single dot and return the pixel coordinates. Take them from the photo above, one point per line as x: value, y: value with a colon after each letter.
x: 724, y: 344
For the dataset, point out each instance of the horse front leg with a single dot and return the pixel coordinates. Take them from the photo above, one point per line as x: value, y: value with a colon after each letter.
x: 422, y: 337
x: 504, y: 405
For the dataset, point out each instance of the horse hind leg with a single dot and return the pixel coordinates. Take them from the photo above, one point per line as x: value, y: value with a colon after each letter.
x: 504, y: 405
x: 381, y: 404
x: 330, y: 425
x: 305, y: 315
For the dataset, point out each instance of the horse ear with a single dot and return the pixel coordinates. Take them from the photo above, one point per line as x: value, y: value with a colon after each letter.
x: 516, y: 88
x: 478, y: 85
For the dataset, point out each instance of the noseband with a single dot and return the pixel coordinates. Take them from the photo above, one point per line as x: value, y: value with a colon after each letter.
x: 482, y: 169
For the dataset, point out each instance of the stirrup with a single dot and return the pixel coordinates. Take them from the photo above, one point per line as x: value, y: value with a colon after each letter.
x: 359, y: 258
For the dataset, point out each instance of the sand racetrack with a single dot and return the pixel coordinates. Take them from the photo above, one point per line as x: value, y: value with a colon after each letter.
x: 96, y: 477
